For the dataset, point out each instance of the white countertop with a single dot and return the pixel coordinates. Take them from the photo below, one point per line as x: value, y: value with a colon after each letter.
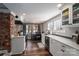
x: 65, y: 41
x: 17, y: 36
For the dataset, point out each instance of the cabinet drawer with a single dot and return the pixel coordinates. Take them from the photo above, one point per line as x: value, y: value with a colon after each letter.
x: 55, y: 47
x: 60, y: 49
x: 70, y: 51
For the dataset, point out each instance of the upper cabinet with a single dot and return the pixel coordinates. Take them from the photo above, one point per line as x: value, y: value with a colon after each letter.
x: 65, y: 17
x: 76, y: 13
x: 66, y: 13
x: 70, y: 15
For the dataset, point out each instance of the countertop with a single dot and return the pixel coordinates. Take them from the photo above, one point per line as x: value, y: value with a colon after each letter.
x: 66, y: 41
x: 17, y: 36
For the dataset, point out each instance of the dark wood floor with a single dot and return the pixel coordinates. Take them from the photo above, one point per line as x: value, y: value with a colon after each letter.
x: 33, y: 49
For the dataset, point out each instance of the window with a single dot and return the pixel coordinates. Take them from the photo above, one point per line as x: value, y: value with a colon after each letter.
x: 35, y: 28
x: 57, y: 24
x: 50, y: 25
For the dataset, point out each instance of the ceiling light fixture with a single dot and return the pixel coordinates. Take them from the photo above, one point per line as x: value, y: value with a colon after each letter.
x: 59, y: 5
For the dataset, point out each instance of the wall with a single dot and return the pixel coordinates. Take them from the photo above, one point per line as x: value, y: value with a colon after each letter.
x: 45, y: 26
x: 6, y: 27
x: 41, y: 27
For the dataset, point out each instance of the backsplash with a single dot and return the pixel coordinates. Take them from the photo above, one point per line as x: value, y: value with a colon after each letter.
x: 65, y: 31
x: 68, y: 31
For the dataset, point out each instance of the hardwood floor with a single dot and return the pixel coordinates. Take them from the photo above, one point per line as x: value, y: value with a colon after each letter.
x: 33, y: 49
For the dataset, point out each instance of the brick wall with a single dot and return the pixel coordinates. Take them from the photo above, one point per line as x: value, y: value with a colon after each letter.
x: 6, y: 29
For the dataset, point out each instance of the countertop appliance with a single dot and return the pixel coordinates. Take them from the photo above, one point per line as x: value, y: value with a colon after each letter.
x: 75, y: 38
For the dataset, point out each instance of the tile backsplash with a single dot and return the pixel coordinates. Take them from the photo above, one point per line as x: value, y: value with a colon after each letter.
x: 68, y: 31
x: 65, y: 31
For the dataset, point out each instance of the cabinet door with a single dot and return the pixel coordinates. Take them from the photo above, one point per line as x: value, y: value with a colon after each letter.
x: 75, y: 13
x: 55, y: 48
x: 59, y: 49
x: 43, y: 39
x: 70, y: 51
x: 67, y: 14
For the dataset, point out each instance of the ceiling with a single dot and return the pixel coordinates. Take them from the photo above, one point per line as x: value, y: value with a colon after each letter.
x: 34, y: 12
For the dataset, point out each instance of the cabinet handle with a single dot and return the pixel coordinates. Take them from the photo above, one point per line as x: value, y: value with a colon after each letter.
x: 63, y: 46
x: 62, y: 50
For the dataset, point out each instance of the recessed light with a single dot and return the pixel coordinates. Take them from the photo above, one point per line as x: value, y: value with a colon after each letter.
x: 59, y: 5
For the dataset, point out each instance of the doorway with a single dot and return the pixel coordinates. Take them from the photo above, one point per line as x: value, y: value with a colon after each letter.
x: 31, y: 31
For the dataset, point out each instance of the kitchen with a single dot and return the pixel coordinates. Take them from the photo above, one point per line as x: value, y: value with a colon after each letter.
x: 56, y: 36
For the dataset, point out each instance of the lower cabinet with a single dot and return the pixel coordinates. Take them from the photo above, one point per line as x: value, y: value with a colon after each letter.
x: 55, y: 48
x: 70, y: 51
x: 60, y: 49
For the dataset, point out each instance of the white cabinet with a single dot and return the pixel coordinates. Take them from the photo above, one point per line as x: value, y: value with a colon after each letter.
x: 43, y: 39
x: 60, y: 49
x: 70, y: 15
x: 66, y: 13
x: 76, y: 13
x: 55, y: 48
x: 70, y: 51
